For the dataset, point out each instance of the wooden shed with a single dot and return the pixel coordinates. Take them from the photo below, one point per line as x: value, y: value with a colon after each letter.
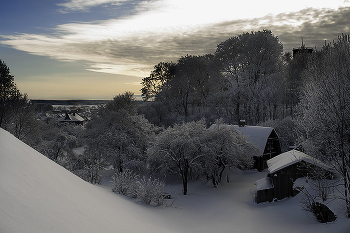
x: 284, y: 169
x: 287, y: 167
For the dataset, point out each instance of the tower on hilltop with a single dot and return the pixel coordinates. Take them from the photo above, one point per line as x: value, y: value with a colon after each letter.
x: 302, y: 49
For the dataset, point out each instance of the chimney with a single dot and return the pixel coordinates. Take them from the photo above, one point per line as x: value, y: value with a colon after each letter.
x: 241, y: 123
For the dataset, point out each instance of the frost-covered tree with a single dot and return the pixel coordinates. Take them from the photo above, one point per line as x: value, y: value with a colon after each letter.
x: 244, y: 61
x: 122, y: 139
x: 325, y: 109
x: 191, y: 149
x: 225, y: 147
x: 179, y: 149
x: 119, y: 135
x: 242, y: 79
x: 125, y: 101
x: 148, y: 190
x: 189, y: 87
x: 57, y: 143
x: 125, y: 183
x: 250, y: 56
x: 23, y: 124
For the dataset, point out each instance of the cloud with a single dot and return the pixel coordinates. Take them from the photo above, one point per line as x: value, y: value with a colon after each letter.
x: 315, y: 26
x: 164, y: 31
x: 84, y: 5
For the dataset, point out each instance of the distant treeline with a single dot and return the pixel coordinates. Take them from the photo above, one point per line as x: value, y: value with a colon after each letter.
x: 70, y: 102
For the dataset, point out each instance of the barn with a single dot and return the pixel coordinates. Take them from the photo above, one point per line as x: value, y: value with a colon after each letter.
x: 267, y: 141
x: 284, y: 169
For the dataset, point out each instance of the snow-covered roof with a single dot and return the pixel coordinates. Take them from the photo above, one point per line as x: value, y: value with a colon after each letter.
x: 257, y: 135
x: 71, y: 117
x: 264, y: 183
x: 291, y: 157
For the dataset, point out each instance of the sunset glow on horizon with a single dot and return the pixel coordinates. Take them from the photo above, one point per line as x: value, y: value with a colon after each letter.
x: 100, y: 48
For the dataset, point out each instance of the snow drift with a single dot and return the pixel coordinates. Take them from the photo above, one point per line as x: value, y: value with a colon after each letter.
x: 38, y: 195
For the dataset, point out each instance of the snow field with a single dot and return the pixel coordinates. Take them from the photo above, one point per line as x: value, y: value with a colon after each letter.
x: 37, y: 195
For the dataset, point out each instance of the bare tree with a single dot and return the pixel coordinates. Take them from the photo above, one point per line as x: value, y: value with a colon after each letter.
x: 325, y: 109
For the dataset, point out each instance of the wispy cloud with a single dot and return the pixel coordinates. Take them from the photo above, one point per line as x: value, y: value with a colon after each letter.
x: 84, y: 5
x: 164, y: 31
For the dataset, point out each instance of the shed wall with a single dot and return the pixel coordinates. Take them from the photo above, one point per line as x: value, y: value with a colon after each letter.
x: 265, y: 195
x: 283, y: 180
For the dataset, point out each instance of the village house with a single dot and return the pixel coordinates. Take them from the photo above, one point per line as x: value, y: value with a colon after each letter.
x: 284, y: 169
x: 72, y: 118
x: 265, y: 138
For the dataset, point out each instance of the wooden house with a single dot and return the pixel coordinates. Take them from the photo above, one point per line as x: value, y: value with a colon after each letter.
x: 72, y: 118
x: 284, y: 169
x: 267, y: 141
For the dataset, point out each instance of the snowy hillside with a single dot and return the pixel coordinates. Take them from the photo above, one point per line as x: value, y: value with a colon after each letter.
x: 37, y: 195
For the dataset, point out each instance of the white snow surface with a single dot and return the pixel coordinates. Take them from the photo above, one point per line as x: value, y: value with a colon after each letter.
x: 264, y: 183
x: 291, y: 157
x: 37, y: 195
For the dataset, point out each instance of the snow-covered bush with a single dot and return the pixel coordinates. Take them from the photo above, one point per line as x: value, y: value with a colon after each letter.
x: 125, y: 183
x: 151, y: 191
x: 90, y: 173
x: 148, y: 190
x: 320, y: 210
x: 316, y: 195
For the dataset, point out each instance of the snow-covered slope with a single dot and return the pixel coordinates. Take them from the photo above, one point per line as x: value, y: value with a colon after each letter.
x: 37, y: 195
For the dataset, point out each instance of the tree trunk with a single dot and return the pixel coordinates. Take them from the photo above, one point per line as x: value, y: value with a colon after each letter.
x: 1, y: 117
x: 185, y: 176
x: 346, y: 185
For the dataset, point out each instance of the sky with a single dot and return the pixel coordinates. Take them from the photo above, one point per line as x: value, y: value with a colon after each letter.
x: 97, y: 49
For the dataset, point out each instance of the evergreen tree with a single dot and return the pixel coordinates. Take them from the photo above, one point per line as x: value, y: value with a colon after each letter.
x: 9, y: 93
